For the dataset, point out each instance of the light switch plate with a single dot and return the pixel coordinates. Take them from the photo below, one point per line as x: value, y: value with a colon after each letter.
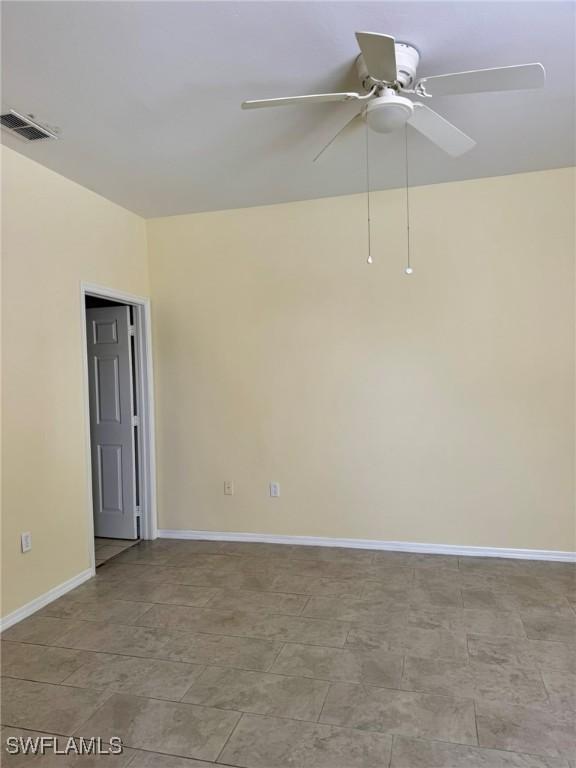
x: 274, y: 490
x: 26, y: 541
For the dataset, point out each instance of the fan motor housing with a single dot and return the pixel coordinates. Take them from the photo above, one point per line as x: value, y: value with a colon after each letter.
x: 407, y: 60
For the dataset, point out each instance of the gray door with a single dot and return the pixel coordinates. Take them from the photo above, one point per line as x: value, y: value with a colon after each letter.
x: 111, y: 424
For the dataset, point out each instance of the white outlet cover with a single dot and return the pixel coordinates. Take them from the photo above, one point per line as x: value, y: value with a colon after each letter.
x: 274, y: 490
x: 229, y: 487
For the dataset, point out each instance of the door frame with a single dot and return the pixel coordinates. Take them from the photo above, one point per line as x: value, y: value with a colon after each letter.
x: 143, y: 347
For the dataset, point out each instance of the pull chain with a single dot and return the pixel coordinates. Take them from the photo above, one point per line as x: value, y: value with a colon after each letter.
x: 369, y: 259
x: 408, y: 270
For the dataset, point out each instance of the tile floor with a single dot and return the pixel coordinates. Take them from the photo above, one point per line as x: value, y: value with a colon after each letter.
x: 105, y: 549
x: 198, y: 653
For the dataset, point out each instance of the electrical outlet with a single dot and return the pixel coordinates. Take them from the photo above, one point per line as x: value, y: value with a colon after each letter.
x: 229, y: 487
x: 26, y: 541
x: 274, y: 490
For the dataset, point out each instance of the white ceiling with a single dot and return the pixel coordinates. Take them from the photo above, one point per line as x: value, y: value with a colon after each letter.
x: 147, y: 95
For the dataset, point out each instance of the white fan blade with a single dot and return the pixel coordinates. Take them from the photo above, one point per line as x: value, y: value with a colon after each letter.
x: 379, y: 55
x: 442, y: 133
x: 317, y: 98
x: 515, y: 78
x: 352, y: 123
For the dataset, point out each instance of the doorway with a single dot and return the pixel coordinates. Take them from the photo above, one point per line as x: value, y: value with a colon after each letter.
x: 118, y: 393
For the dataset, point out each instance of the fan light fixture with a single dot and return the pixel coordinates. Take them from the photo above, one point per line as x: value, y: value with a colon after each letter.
x: 389, y: 112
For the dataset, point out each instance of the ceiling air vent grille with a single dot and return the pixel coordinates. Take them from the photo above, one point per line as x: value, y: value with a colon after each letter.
x: 25, y: 127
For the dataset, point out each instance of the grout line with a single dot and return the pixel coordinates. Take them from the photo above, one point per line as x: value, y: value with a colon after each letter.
x: 391, y: 751
x: 106, y: 700
x: 476, y: 721
x: 275, y: 657
x: 192, y: 684
x: 305, y: 606
x: 236, y: 724
x: 325, y: 699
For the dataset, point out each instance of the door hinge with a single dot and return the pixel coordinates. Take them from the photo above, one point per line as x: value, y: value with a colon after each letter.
x: 135, y: 421
x: 131, y: 330
x: 138, y: 512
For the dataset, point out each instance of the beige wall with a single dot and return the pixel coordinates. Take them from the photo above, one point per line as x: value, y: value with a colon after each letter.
x: 54, y: 235
x: 437, y: 408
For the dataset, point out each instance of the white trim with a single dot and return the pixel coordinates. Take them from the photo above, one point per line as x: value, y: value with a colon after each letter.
x: 47, y: 597
x: 148, y: 504
x: 394, y: 546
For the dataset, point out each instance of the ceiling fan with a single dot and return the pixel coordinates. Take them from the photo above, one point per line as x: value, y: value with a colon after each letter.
x: 387, y: 73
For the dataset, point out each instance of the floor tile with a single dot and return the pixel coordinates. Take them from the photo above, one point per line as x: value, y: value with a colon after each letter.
x: 522, y: 598
x: 141, y: 574
x: 219, y: 578
x: 154, y: 760
x: 140, y: 677
x: 516, y: 685
x: 266, y: 742
x: 104, y: 609
x: 547, y: 655
x: 523, y: 653
x: 550, y: 627
x: 536, y: 730
x: 119, y: 638
x: 47, y: 707
x: 400, y: 712
x: 443, y: 597
x: 288, y: 582
x: 488, y: 622
x: 335, y: 554
x: 483, y: 599
x: 37, y: 629
x: 415, y: 560
x: 173, y: 645
x: 106, y: 549
x: 442, y: 578
x: 390, y: 578
x: 411, y: 640
x: 170, y: 594
x: 298, y: 698
x: 100, y: 542
x: 256, y: 623
x: 165, y: 726
x: 420, y: 753
x: 367, y: 611
x: 244, y: 600
x: 327, y: 569
x: 41, y: 663
x: 376, y: 667
x: 469, y: 621
x: 255, y: 549
x: 561, y: 687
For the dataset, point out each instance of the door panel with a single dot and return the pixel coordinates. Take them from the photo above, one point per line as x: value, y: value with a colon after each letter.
x: 109, y: 469
x: 111, y: 428
x: 107, y: 385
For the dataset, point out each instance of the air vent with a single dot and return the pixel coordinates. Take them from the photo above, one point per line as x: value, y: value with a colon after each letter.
x: 25, y: 127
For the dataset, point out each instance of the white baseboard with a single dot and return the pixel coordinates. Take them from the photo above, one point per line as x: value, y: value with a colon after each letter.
x: 395, y: 546
x: 47, y: 597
